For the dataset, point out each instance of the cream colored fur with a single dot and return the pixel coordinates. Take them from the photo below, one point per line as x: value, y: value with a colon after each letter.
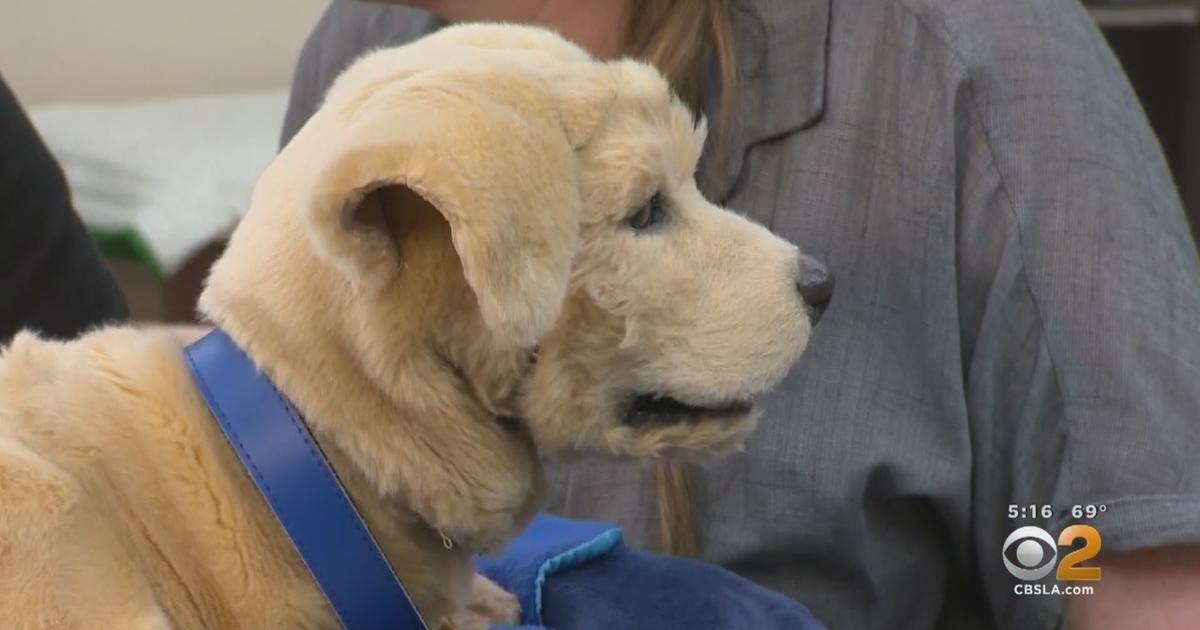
x: 439, y: 273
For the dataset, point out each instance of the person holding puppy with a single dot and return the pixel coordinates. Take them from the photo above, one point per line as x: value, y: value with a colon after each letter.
x: 1015, y: 324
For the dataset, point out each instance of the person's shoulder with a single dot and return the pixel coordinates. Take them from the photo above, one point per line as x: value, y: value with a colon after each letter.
x: 346, y: 31
x: 349, y: 29
x: 1032, y: 61
x: 364, y: 26
x: 991, y: 34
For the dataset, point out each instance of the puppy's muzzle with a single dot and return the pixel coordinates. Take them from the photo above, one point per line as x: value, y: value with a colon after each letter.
x: 815, y: 285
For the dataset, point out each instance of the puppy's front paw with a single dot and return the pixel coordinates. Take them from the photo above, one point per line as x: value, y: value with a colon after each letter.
x: 489, y: 605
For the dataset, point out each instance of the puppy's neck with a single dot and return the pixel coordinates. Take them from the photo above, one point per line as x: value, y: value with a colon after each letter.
x: 401, y: 385
x: 294, y: 335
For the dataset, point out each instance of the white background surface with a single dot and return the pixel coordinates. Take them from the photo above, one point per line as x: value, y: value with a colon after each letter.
x: 127, y: 50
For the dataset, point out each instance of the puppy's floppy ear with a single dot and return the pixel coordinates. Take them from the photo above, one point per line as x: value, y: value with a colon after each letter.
x: 488, y: 150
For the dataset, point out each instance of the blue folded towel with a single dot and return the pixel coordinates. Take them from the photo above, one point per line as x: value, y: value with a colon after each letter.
x: 576, y: 575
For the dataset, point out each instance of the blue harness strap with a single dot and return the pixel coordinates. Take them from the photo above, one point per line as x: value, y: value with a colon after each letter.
x: 297, y: 483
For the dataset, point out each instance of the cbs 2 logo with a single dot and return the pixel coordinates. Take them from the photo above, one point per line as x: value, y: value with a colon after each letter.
x: 1029, y: 553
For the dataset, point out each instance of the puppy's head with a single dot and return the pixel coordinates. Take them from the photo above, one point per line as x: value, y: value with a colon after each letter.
x: 679, y: 312
x: 530, y: 214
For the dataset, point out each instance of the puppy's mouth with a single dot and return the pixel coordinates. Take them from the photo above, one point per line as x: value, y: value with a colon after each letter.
x: 660, y: 409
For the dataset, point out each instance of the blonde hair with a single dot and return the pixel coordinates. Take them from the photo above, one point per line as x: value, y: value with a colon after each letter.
x: 681, y: 38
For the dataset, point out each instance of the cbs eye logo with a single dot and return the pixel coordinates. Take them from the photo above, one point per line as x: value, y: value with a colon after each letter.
x: 1029, y: 553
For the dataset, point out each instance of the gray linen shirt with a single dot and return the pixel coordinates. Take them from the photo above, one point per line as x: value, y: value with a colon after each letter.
x: 1017, y: 318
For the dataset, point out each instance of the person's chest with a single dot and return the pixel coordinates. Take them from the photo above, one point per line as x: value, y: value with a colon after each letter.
x: 861, y: 467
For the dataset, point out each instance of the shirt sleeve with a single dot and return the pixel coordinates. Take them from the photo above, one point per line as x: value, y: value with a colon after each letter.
x: 51, y: 277
x: 1079, y: 289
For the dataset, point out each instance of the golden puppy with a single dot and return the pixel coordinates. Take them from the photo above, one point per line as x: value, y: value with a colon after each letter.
x: 486, y: 248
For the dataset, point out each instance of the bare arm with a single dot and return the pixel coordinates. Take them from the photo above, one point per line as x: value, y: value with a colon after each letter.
x: 1152, y: 589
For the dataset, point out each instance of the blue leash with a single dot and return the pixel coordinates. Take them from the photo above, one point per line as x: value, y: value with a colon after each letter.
x: 295, y: 479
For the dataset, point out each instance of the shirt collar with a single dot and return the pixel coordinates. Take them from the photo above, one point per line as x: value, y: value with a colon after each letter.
x: 781, y: 48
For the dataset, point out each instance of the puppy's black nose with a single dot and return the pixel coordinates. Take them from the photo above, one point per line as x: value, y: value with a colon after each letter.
x: 815, y: 286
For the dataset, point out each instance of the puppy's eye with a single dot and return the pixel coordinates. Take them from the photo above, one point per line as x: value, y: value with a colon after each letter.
x: 649, y: 215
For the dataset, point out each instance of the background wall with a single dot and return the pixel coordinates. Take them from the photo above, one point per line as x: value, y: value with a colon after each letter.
x: 120, y: 50
x: 115, y: 51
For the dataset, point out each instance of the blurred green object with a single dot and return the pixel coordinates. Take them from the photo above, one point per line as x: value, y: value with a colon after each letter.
x: 128, y: 244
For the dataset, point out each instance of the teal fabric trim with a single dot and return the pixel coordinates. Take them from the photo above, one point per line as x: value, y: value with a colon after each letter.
x: 573, y: 557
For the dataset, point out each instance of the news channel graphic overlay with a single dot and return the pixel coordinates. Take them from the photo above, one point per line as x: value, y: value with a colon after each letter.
x: 1031, y: 554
